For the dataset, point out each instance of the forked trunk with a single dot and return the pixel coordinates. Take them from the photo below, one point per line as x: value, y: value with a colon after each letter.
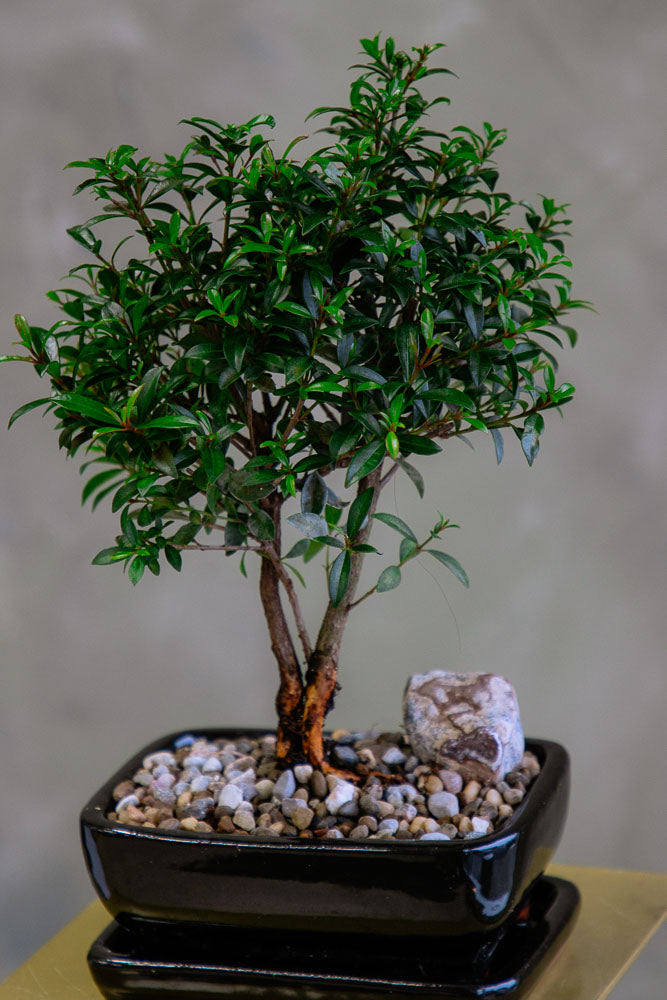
x: 300, y: 727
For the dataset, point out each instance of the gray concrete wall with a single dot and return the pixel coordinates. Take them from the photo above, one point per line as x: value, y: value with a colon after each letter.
x: 567, y: 560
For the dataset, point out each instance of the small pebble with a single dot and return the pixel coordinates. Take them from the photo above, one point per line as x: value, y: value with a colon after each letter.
x: 341, y: 793
x: 212, y: 765
x: 230, y: 798
x: 244, y: 820
x: 285, y: 786
x: 344, y: 757
x: 443, y: 805
x: 393, y: 756
x: 318, y: 785
x: 451, y: 781
x: 236, y: 788
x: 471, y: 791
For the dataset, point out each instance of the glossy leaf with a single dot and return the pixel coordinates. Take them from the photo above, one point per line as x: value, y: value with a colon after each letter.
x: 365, y: 461
x: 358, y: 512
x: 310, y: 525
x: 397, y: 524
x: 339, y: 576
x: 313, y: 494
x: 452, y: 564
x: 389, y: 579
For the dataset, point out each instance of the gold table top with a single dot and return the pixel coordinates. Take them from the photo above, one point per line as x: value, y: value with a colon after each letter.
x: 620, y: 912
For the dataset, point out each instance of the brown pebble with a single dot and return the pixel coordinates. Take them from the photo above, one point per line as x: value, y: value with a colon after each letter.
x: 433, y: 784
x: 123, y: 789
x: 170, y: 824
x: 465, y: 826
x: 513, y: 796
x: 318, y: 785
x: 225, y: 825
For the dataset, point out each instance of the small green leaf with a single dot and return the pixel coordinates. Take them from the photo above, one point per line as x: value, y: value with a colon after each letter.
x: 427, y: 325
x: 414, y: 475
x: 388, y: 579
x: 298, y: 549
x: 96, y: 481
x: 135, y: 570
x: 498, y: 443
x: 358, y: 512
x: 261, y: 525
x: 453, y: 397
x: 407, y: 549
x: 452, y: 564
x: 365, y: 461
x: 173, y: 557
x: 397, y: 524
x: 174, y: 422
x: 26, y: 408
x: 77, y: 403
x: 530, y: 444
x: 310, y: 525
x: 339, y: 577
x: 108, y: 556
x: 418, y: 444
x: 313, y: 494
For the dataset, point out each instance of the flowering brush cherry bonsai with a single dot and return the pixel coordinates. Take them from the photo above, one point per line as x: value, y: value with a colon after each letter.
x: 265, y: 323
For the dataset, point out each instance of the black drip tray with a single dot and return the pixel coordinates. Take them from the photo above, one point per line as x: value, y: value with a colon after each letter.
x: 197, y: 962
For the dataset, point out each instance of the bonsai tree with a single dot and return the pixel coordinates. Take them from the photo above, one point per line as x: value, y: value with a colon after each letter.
x: 273, y: 340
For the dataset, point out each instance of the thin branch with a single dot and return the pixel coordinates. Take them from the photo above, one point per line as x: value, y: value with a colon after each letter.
x: 294, y: 604
x: 388, y: 475
x: 220, y: 548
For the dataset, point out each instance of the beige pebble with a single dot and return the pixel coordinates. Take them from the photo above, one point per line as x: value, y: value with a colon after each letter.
x: 433, y: 784
x: 504, y: 811
x: 430, y: 825
x: 493, y: 797
x: 132, y: 815
x: 530, y: 763
x: 465, y: 826
x: 471, y: 791
x: 417, y: 824
x: 190, y: 823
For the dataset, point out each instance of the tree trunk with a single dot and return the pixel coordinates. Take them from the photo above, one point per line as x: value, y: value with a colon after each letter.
x: 290, y: 692
x: 321, y: 677
x: 303, y: 706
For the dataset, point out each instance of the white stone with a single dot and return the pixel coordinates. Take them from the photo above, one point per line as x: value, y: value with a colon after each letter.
x: 341, y: 793
x: 443, y: 805
x: 467, y: 723
x: 303, y: 772
x: 231, y: 797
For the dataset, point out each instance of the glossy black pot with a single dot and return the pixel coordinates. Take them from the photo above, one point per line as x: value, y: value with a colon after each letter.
x: 376, y: 887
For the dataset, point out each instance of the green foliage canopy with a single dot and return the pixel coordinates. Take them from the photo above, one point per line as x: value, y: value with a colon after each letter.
x: 264, y: 322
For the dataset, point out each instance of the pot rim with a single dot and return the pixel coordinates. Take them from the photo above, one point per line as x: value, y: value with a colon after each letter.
x: 551, y: 755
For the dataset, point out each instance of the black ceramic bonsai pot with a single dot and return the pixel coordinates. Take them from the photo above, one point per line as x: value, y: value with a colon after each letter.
x: 375, y: 887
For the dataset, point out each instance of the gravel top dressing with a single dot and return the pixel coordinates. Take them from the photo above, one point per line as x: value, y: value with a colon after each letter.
x: 383, y: 792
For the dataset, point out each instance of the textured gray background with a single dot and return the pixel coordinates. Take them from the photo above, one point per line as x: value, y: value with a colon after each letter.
x: 567, y: 560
